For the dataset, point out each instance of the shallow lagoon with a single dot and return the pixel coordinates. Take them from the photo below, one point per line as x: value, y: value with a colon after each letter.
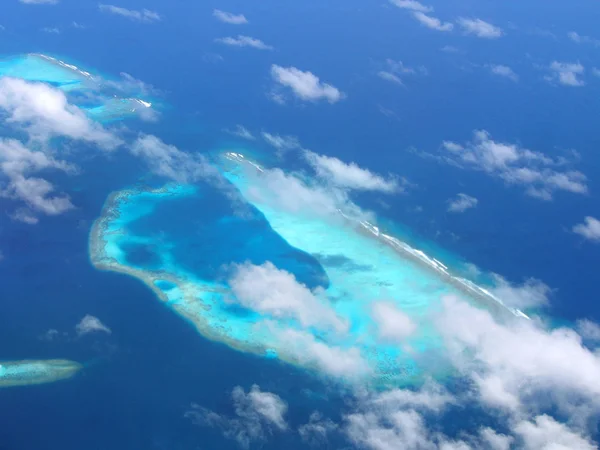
x: 29, y: 372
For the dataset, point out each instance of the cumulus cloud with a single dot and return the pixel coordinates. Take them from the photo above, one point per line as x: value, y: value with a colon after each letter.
x: 144, y: 15
x: 226, y: 17
x: 305, y: 85
x: 90, y: 324
x: 257, y: 415
x: 244, y: 41
x: 170, y: 162
x: 432, y: 22
x: 531, y: 294
x: 44, y: 112
x: 589, y: 229
x: 51, y: 30
x: 541, y: 175
x: 315, y: 432
x: 17, y: 163
x: 588, y: 330
x: 504, y: 71
x: 567, y: 74
x: 412, y: 5
x: 269, y: 290
x: 545, y: 433
x: 349, y: 176
x: 392, y: 324
x: 461, y: 203
x: 579, y: 39
x: 346, y: 363
x: 480, y: 28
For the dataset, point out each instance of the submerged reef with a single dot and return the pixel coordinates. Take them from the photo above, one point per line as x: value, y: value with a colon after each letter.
x: 184, y: 242
x: 28, y: 372
x: 101, y: 98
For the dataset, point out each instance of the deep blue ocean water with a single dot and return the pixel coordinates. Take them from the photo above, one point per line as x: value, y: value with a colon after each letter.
x: 139, y: 381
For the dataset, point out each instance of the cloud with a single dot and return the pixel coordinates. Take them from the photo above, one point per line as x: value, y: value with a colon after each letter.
x: 49, y: 30
x: 588, y: 330
x: 578, y: 39
x: 480, y: 28
x: 315, y: 432
x: 241, y: 132
x: 515, y: 165
x: 39, y: 2
x: 589, y: 229
x: 567, y: 74
x: 393, y: 325
x: 17, y: 163
x: 341, y: 362
x: 244, y: 41
x: 412, y: 5
x: 274, y: 292
x: 144, y: 15
x: 397, y: 68
x: 257, y: 415
x: 532, y: 293
x: 596, y: 72
x: 349, y: 176
x: 305, y: 85
x: 545, y: 433
x: 432, y: 22
x: 503, y: 71
x: 90, y: 324
x: 233, y: 19
x: 78, y: 26
x: 510, y: 366
x: 461, y: 203
x: 44, y: 112
x: 170, y: 162
x: 282, y: 143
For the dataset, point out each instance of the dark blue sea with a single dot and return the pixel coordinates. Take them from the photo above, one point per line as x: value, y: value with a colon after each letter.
x: 138, y: 382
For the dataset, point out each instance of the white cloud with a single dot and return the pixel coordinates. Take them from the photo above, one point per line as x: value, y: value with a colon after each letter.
x: 511, y: 365
x: 596, y: 72
x: 516, y: 165
x: 395, y: 69
x: 144, y: 15
x: 90, y: 324
x: 388, y: 76
x: 432, y: 22
x: 44, y: 112
x: 346, y: 363
x: 39, y: 2
x: 545, y: 433
x: 588, y: 330
x: 577, y: 38
x: 589, y: 229
x: 257, y: 414
x: 531, y: 294
x: 412, y: 5
x: 315, y: 432
x: 242, y: 132
x: 50, y: 30
x: 168, y: 161
x: 305, y: 85
x: 269, y: 290
x: 504, y: 71
x: 461, y: 203
x: 244, y: 41
x: 78, y: 25
x: 392, y: 324
x: 233, y: 19
x: 480, y: 28
x: 567, y: 74
x: 282, y: 143
x: 349, y: 176
x: 17, y: 163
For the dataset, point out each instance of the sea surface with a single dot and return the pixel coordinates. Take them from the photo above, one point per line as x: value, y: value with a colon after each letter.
x: 138, y: 382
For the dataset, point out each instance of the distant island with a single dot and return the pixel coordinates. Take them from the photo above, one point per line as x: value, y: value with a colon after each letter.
x: 28, y: 372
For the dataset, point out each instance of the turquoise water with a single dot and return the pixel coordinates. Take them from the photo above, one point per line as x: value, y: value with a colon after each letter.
x: 17, y: 373
x: 104, y: 100
x: 182, y: 241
